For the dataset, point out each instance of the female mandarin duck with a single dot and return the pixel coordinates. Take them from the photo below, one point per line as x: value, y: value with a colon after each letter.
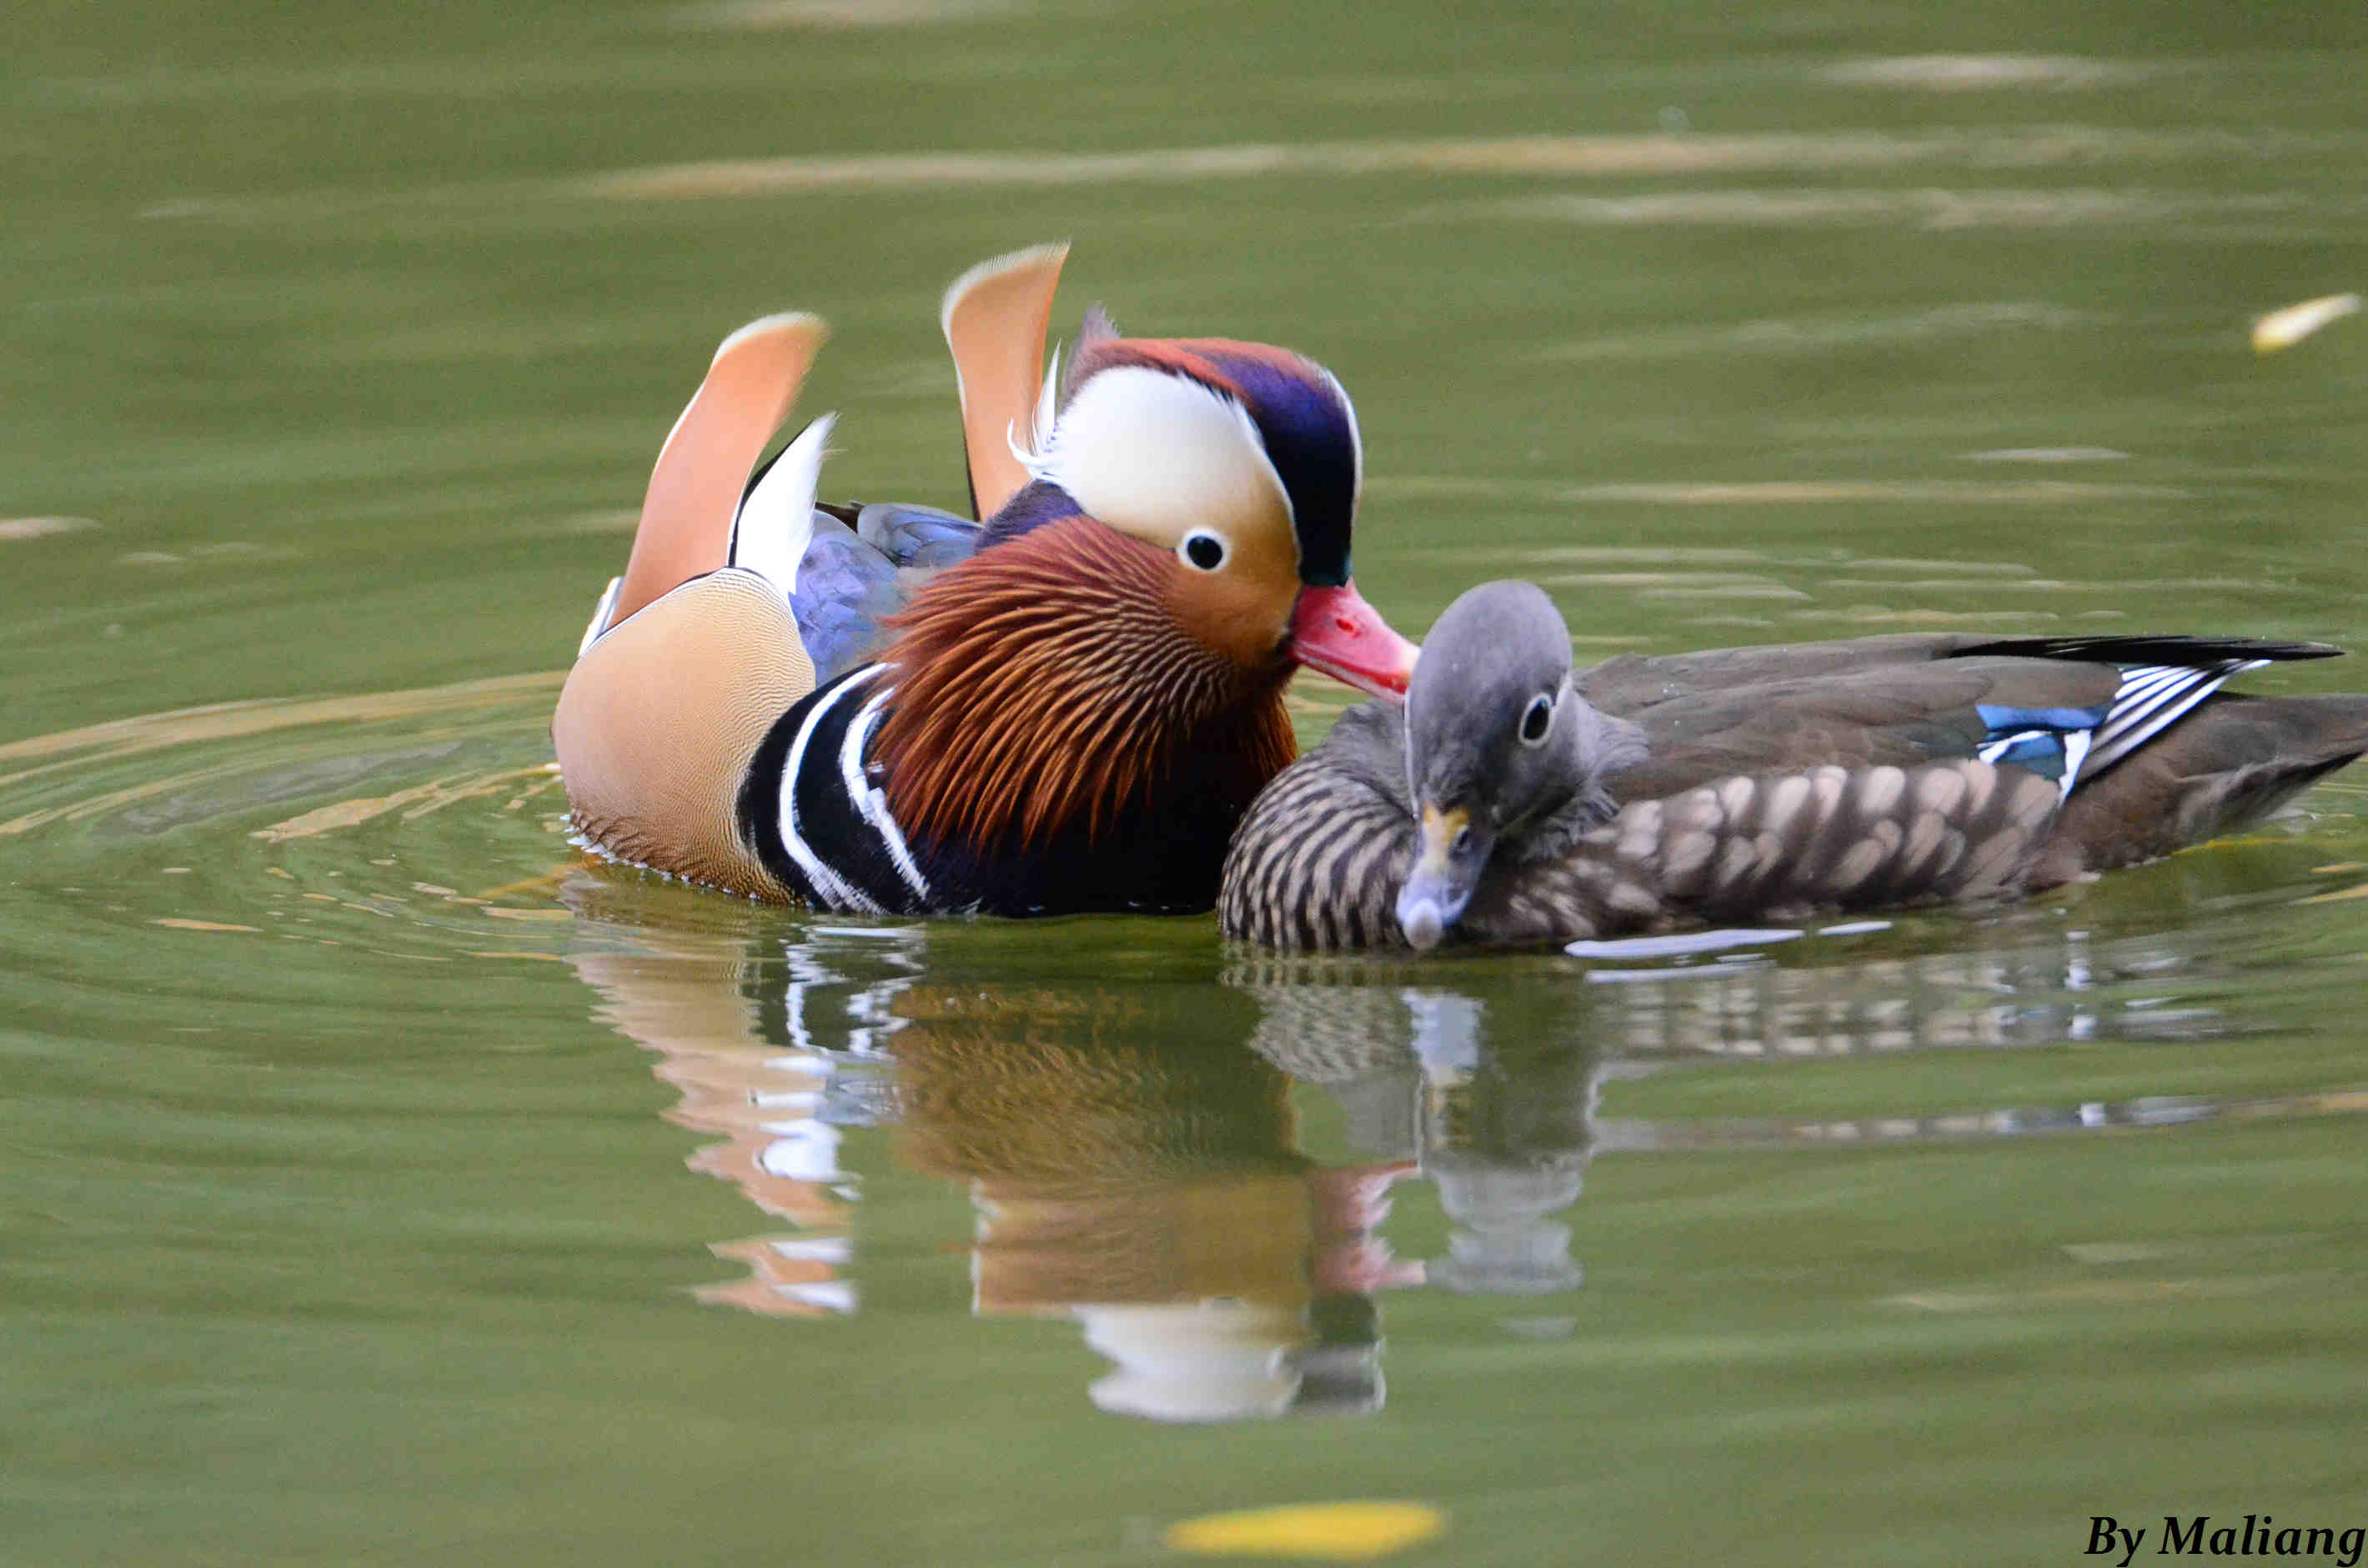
x: 1071, y: 716
x: 1758, y: 782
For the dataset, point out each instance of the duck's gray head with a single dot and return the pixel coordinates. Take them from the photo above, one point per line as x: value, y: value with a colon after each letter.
x: 1499, y: 748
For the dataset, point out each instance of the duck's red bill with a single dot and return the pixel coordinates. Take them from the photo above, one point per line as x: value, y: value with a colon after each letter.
x: 1334, y: 630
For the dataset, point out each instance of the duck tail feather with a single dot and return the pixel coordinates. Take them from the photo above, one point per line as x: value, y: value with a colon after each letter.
x: 686, y: 528
x: 775, y: 522
x: 2169, y: 649
x: 995, y: 317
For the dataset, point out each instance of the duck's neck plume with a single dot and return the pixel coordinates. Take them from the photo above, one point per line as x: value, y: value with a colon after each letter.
x: 1044, y: 685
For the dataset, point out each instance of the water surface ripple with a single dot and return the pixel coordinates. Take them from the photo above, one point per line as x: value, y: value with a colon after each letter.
x: 379, y: 1181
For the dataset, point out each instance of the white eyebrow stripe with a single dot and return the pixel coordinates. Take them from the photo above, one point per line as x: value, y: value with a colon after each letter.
x: 1153, y: 453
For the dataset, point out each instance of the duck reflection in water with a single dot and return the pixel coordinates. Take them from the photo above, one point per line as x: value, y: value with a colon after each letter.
x: 1129, y: 1147
x: 1493, y: 1099
x: 1132, y: 1154
x: 1134, y: 1167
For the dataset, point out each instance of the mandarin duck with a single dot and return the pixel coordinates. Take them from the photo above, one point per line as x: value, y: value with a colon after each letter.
x: 1512, y: 803
x: 1066, y: 707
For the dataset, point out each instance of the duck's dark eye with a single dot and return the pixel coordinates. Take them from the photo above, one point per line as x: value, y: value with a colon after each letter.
x: 1537, y: 720
x: 1204, y: 551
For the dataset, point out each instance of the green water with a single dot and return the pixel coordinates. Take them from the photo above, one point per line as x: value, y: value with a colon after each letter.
x: 378, y: 1182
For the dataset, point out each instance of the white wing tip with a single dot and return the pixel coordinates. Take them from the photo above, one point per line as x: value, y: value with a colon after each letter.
x: 992, y: 268
x: 772, y: 543
x: 812, y: 438
x: 599, y: 616
x: 1048, y: 402
x: 770, y: 327
x: 1032, y: 449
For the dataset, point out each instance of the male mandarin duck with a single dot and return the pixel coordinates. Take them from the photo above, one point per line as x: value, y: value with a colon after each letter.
x: 1069, y: 713
x: 1512, y: 803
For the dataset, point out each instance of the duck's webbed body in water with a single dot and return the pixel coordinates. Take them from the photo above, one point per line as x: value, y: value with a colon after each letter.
x: 1062, y: 707
x: 1327, y: 849
x: 1483, y: 815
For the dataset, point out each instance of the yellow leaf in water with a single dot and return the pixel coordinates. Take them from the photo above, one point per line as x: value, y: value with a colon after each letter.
x: 2283, y: 329
x: 1332, y: 1532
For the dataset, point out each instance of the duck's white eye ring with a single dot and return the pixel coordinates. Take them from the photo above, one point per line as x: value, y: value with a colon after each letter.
x: 1537, y: 720
x: 1204, y: 551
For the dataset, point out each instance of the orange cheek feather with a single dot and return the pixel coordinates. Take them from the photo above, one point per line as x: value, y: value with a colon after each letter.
x: 1245, y: 622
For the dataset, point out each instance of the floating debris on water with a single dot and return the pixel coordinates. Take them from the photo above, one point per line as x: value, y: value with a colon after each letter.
x: 41, y: 528
x: 1983, y: 73
x: 2284, y: 328
x: 834, y: 15
x: 1332, y: 1532
x: 1680, y: 946
x: 2049, y: 455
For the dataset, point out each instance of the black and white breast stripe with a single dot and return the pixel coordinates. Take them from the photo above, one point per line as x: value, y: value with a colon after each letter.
x: 817, y: 817
x: 809, y: 804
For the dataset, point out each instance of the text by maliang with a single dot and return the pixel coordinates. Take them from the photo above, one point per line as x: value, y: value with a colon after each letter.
x: 2196, y: 1534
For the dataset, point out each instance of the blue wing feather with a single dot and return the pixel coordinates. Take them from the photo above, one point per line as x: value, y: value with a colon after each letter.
x: 921, y: 538
x: 842, y: 583
x: 851, y: 580
x: 846, y: 588
x: 2073, y: 744
x: 846, y: 581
